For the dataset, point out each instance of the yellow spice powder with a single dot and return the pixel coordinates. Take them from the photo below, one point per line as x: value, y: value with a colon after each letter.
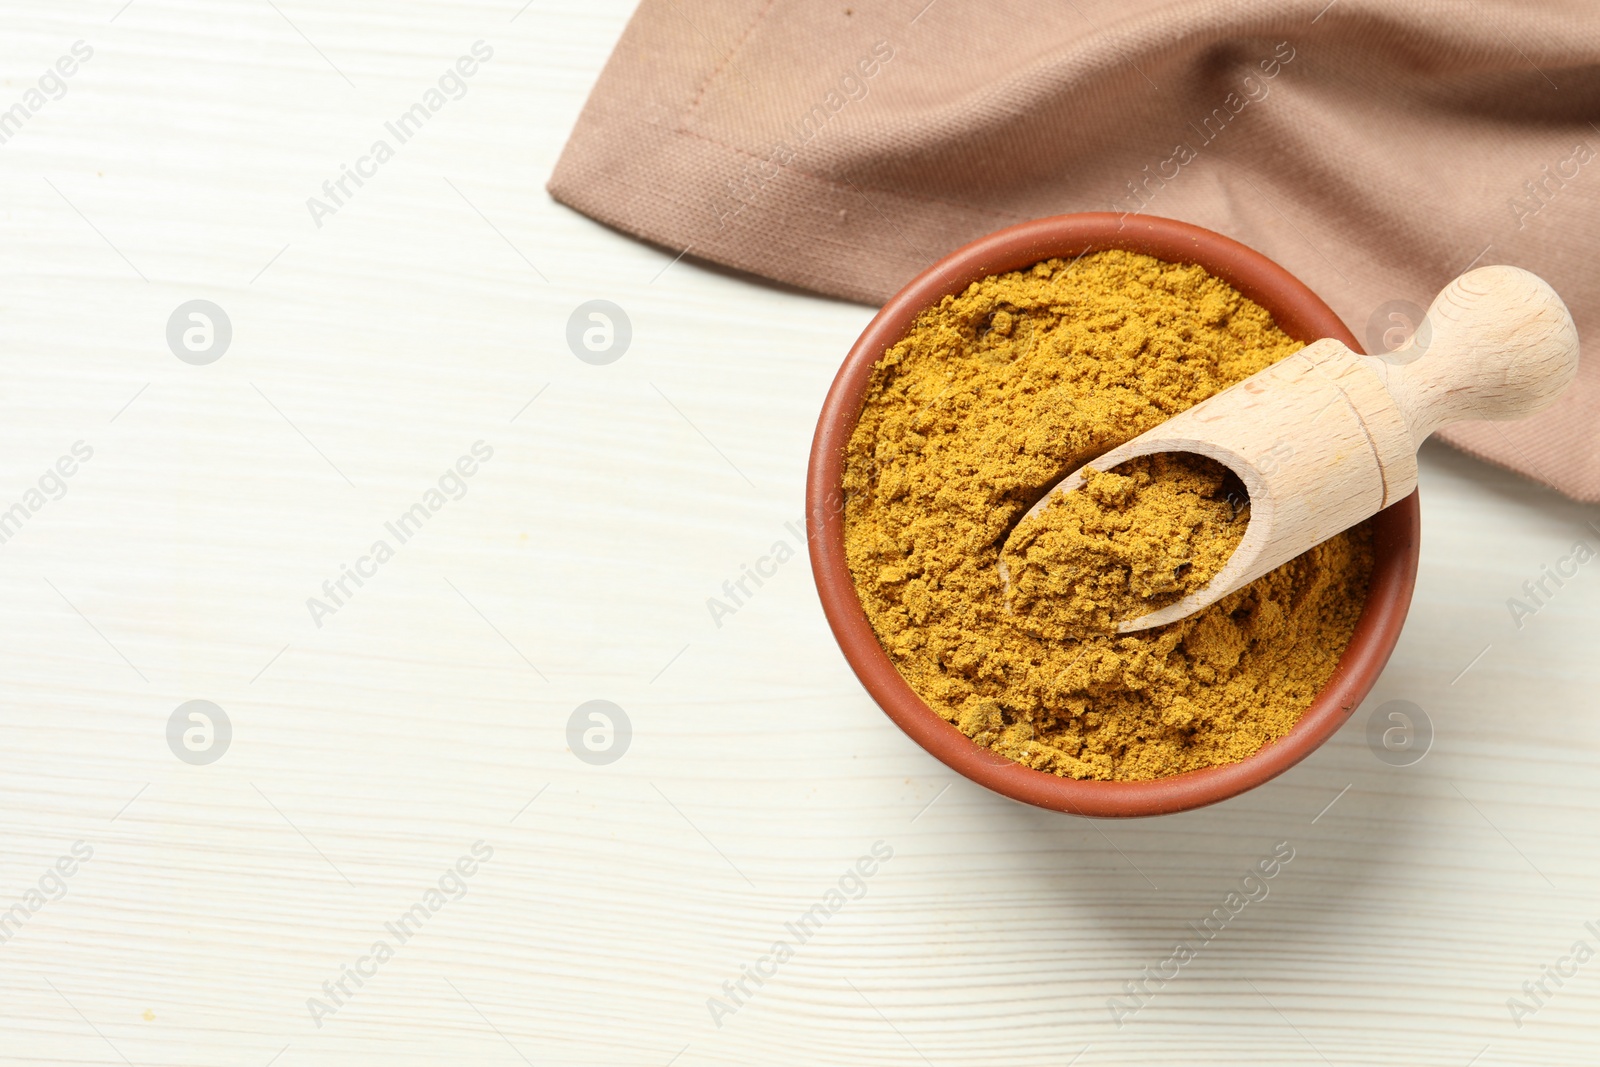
x: 1129, y: 541
x: 991, y: 398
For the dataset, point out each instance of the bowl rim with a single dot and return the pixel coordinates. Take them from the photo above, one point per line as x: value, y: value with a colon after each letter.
x: 1300, y: 313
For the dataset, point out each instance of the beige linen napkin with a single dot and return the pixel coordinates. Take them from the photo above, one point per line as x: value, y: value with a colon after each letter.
x: 1375, y: 148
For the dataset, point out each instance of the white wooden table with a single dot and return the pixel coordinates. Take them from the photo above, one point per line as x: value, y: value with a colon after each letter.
x: 429, y: 709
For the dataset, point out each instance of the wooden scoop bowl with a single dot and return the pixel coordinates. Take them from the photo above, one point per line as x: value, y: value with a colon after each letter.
x: 1327, y: 437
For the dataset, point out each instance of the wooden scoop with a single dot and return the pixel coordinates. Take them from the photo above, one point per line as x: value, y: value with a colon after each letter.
x: 1327, y: 438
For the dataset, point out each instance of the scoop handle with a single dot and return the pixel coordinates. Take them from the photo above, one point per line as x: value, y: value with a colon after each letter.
x: 1496, y: 343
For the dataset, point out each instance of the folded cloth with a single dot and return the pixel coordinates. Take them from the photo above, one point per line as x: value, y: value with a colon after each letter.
x: 1375, y: 148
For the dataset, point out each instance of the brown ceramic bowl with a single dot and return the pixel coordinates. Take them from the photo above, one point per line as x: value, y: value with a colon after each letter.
x: 1299, y: 313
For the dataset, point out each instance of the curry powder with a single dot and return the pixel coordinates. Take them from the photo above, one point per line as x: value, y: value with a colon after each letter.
x: 991, y: 398
x: 1129, y: 541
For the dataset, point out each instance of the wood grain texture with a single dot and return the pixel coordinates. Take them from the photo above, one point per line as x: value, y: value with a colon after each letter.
x: 430, y: 711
